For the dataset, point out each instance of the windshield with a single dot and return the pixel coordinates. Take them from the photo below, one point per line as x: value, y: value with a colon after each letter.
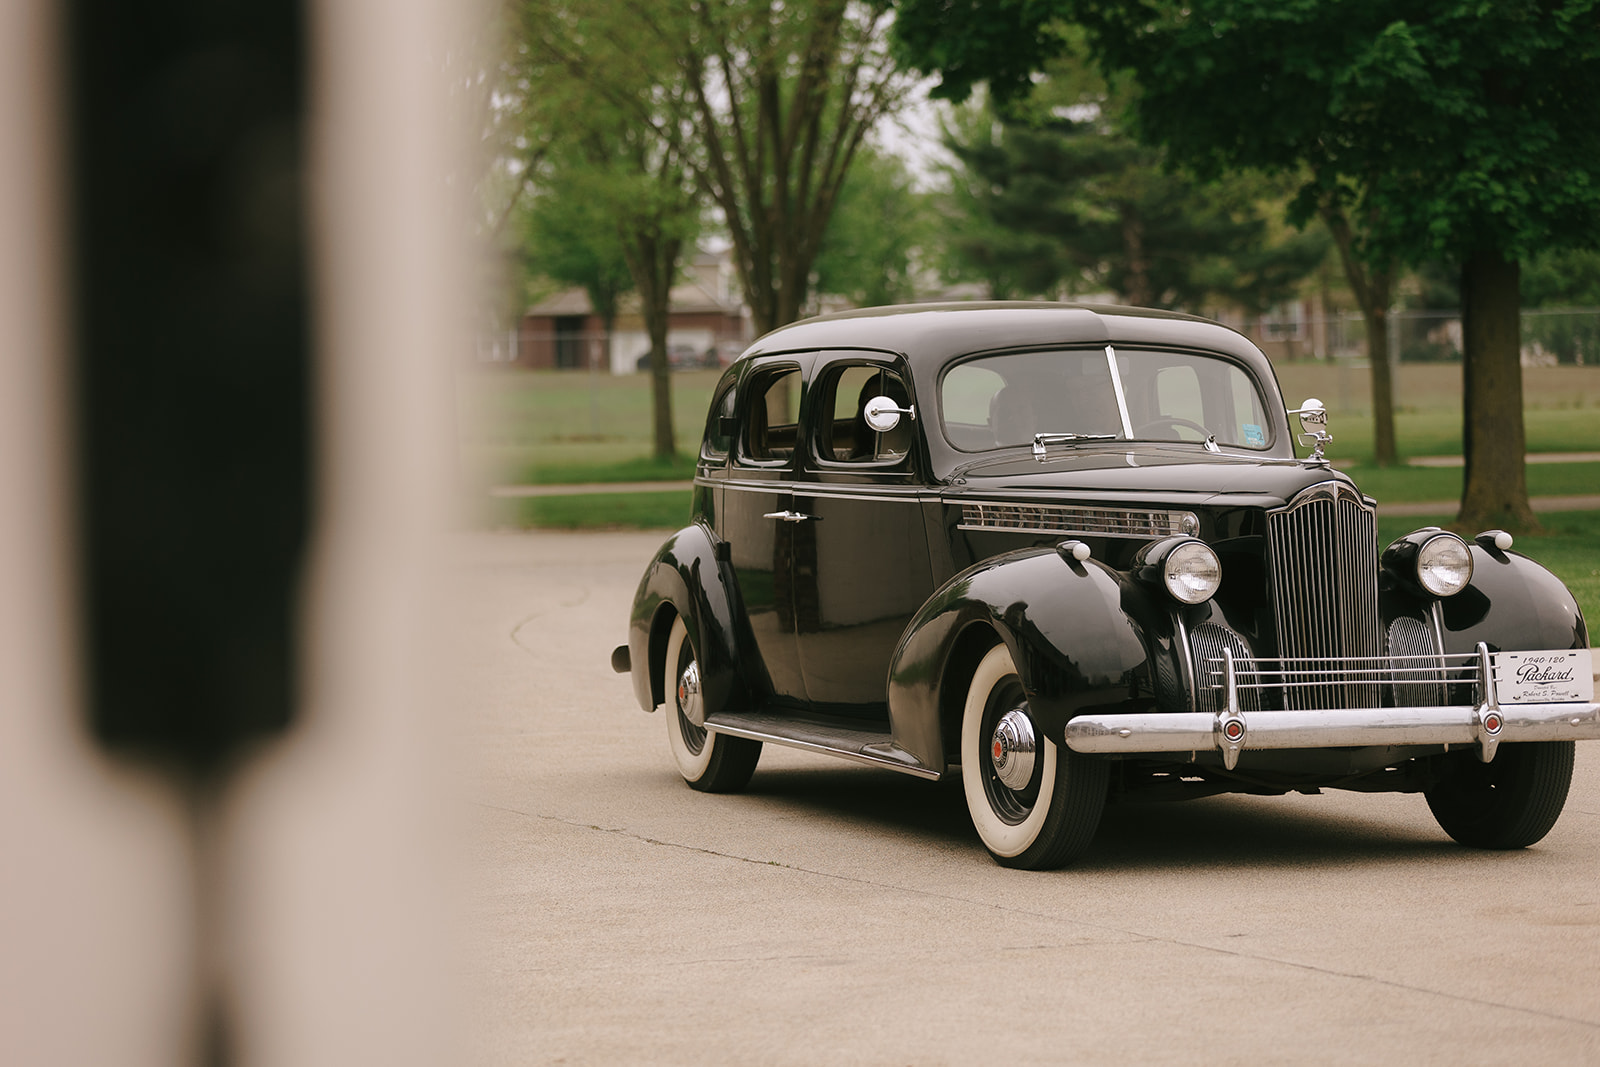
x: 1002, y: 401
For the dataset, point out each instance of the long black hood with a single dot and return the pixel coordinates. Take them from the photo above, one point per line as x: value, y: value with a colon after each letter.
x: 1142, y: 473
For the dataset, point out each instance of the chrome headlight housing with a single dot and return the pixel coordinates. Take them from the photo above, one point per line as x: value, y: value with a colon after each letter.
x: 1431, y: 561
x: 1185, y: 567
x: 1444, y: 564
x: 1192, y: 572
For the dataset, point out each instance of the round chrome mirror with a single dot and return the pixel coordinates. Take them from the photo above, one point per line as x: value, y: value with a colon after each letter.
x: 1313, y: 416
x: 883, y: 414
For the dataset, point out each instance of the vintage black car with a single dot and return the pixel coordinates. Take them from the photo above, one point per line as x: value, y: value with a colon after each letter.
x: 1070, y: 551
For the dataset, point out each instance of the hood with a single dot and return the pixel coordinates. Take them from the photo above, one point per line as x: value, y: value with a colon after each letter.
x: 1159, y: 474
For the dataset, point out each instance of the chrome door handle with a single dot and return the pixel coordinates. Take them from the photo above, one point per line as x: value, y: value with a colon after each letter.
x: 788, y: 516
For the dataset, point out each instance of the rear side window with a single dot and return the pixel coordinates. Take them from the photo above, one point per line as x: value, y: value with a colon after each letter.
x: 772, y: 416
x: 842, y: 433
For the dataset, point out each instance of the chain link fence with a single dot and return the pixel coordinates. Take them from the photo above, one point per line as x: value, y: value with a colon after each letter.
x: 1550, y: 336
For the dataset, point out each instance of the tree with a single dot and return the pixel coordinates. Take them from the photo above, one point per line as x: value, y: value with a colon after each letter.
x: 572, y: 238
x: 609, y: 169
x: 1099, y: 211
x: 879, y: 226
x: 767, y: 105
x: 1464, y: 130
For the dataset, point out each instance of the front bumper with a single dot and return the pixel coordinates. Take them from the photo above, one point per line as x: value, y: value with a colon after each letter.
x: 1231, y: 731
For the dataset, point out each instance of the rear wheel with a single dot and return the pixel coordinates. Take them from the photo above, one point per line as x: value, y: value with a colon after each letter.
x: 709, y: 761
x: 1034, y: 805
x: 1510, y: 802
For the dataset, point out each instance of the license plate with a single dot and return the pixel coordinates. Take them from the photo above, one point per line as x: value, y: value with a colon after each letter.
x: 1544, y: 677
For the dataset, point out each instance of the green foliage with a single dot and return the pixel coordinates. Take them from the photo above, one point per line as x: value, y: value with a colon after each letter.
x: 1058, y: 198
x: 572, y: 237
x: 1562, y: 277
x: 879, y: 225
x: 1464, y: 125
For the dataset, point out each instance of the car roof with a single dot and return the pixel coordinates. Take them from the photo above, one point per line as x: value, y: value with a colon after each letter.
x: 928, y: 335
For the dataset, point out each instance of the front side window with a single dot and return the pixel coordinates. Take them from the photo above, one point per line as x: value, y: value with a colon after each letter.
x: 1003, y: 401
x: 772, y: 416
x: 843, y: 435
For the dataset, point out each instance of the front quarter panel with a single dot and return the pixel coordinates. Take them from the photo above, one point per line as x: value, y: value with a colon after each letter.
x: 1512, y: 603
x: 1075, y: 647
x: 687, y: 578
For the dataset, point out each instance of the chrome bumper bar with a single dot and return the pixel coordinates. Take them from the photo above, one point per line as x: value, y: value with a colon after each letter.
x: 1232, y: 731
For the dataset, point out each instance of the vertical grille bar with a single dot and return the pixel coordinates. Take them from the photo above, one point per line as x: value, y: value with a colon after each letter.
x: 1323, y: 552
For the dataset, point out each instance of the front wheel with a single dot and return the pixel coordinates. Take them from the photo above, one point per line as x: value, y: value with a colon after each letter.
x: 1510, y: 802
x: 709, y: 761
x: 1035, y: 806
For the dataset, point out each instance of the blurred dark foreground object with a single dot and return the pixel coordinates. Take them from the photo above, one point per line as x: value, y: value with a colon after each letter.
x: 191, y: 331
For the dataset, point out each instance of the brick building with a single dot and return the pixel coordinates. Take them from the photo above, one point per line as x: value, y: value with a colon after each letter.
x: 708, y: 319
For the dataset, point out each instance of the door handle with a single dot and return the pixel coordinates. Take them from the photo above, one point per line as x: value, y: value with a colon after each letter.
x: 790, y: 516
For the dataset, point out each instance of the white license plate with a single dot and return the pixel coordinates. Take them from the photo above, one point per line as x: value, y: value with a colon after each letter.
x: 1544, y: 677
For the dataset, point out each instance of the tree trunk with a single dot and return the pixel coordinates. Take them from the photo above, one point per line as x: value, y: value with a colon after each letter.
x: 661, y: 389
x: 1384, y: 452
x: 1373, y: 291
x: 653, y: 263
x: 1495, y: 492
x: 1136, y: 289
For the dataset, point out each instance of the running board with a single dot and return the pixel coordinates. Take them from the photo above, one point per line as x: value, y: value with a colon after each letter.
x: 875, y: 748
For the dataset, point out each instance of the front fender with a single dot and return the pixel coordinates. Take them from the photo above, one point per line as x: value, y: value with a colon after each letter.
x: 1070, y: 628
x: 1512, y: 603
x: 686, y: 577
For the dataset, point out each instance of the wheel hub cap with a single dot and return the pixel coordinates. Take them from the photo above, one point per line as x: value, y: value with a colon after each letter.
x: 1011, y: 749
x: 689, y: 702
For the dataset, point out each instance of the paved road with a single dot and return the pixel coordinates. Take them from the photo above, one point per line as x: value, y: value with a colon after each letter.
x: 844, y: 915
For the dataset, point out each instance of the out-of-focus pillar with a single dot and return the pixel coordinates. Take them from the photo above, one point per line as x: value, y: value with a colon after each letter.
x: 95, y: 887
x: 332, y: 876
x: 324, y: 929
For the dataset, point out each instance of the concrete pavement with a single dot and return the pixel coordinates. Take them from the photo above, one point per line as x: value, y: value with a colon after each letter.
x: 836, y: 914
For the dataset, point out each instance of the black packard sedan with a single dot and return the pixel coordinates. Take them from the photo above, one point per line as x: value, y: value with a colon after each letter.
x: 1069, y: 553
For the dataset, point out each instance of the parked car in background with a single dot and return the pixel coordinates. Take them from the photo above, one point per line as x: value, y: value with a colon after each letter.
x: 1069, y: 554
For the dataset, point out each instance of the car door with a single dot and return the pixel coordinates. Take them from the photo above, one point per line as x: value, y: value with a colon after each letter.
x: 757, y: 517
x: 861, y: 564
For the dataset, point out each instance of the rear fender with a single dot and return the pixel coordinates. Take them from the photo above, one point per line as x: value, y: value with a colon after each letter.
x: 686, y: 578
x: 1071, y: 630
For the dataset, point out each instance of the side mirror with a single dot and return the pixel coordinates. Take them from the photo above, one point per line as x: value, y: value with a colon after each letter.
x: 883, y: 414
x: 1314, y: 423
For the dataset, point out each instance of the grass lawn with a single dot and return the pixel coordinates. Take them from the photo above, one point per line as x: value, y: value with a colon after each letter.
x: 1395, y: 485
x: 595, y: 511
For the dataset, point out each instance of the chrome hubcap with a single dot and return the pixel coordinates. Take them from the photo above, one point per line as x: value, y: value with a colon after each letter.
x: 1011, y: 749
x: 689, y: 703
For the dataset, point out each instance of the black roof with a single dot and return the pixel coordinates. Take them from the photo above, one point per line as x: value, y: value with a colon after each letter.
x: 929, y: 334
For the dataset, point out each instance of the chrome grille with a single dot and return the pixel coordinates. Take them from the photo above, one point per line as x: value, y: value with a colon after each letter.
x: 1067, y: 518
x: 1209, y: 640
x: 1410, y: 640
x: 1323, y: 550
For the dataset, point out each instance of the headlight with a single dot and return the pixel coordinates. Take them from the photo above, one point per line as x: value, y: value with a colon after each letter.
x: 1192, y: 573
x: 1444, y: 565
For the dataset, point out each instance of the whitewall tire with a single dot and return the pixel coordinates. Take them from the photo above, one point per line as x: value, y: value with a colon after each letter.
x: 709, y: 761
x: 1034, y: 805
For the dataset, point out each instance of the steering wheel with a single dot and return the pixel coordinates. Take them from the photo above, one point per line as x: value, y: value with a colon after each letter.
x: 1171, y: 420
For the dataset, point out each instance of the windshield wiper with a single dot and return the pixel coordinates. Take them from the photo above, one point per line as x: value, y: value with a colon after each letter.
x: 1042, y: 439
